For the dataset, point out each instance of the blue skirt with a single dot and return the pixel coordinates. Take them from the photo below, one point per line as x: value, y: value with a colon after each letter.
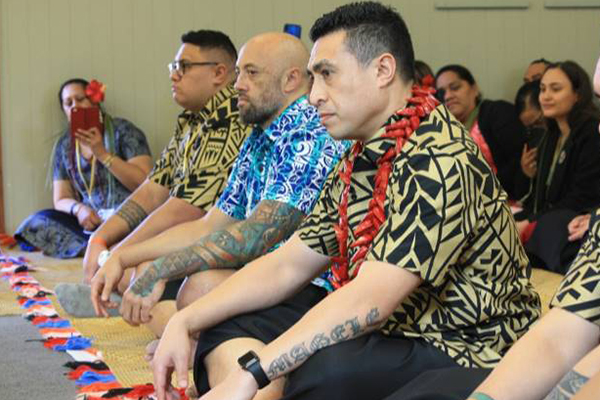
x: 56, y: 233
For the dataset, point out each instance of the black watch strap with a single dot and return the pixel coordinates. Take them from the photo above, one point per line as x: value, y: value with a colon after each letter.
x: 251, y: 363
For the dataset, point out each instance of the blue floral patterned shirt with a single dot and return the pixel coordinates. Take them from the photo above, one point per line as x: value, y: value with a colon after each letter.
x: 288, y: 162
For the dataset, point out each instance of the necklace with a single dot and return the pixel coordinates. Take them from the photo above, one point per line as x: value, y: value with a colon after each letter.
x: 417, y: 109
x: 89, y: 188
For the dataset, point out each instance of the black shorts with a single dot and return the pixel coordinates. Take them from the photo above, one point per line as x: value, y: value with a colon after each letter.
x: 172, y: 289
x: 265, y: 326
x: 370, y: 367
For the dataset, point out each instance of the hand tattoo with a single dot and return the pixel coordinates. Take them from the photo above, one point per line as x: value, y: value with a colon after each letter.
x: 236, y: 245
x: 301, y: 352
x: 132, y: 213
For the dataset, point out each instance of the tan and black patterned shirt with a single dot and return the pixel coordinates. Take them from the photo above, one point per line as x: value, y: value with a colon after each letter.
x: 196, y: 163
x: 449, y: 223
x: 579, y: 291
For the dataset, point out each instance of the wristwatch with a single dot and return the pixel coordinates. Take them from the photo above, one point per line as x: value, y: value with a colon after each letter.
x: 251, y: 363
x: 102, y: 257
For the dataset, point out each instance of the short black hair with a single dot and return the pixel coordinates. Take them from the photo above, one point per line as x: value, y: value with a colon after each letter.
x: 531, y: 91
x: 208, y: 39
x: 462, y: 72
x: 73, y: 81
x: 540, y: 61
x: 371, y: 30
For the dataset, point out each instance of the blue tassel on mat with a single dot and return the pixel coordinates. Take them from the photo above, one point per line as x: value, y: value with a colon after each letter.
x: 55, y: 324
x: 76, y: 343
x: 89, y: 377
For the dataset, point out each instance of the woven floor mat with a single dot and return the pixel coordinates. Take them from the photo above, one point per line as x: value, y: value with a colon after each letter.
x: 52, y: 271
x: 8, y: 301
x: 546, y: 283
x: 122, y: 346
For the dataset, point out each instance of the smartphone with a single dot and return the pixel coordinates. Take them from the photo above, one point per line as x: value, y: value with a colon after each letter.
x: 534, y: 137
x: 86, y: 118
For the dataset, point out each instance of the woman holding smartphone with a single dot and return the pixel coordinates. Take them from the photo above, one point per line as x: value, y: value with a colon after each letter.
x: 93, y: 172
x: 564, y: 168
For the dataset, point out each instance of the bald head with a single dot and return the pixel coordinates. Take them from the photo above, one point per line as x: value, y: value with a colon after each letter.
x: 280, y: 50
x: 271, y: 75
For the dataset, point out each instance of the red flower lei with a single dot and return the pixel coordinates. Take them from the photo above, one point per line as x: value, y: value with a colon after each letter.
x: 417, y: 108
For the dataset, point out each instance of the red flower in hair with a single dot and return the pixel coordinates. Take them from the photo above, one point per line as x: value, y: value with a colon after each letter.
x: 427, y: 81
x: 95, y: 91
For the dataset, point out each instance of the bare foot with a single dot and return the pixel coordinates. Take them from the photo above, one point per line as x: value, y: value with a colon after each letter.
x: 151, y: 349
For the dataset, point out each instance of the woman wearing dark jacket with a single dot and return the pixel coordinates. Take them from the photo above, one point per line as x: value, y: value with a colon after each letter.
x: 564, y: 169
x: 493, y: 124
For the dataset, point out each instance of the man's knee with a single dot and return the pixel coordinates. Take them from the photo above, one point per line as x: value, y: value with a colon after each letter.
x: 200, y: 284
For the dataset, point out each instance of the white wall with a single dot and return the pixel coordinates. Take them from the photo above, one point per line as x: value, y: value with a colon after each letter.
x: 127, y: 43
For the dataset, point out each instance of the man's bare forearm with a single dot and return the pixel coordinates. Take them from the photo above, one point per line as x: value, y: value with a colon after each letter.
x: 148, y: 197
x: 358, y: 308
x: 132, y: 213
x: 299, y: 353
x: 229, y: 248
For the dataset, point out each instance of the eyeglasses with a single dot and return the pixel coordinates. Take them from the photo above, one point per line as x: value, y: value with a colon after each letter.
x: 179, y: 67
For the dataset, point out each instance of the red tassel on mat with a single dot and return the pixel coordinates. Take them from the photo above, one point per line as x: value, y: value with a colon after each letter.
x: 76, y: 373
x: 140, y: 391
x: 7, y: 240
x: 50, y: 343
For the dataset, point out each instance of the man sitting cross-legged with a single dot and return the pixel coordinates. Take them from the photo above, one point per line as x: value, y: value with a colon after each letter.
x: 427, y: 265
x: 275, y: 182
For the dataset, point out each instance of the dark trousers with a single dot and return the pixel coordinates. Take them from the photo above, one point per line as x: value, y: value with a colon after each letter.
x: 549, y: 247
x: 455, y: 383
x: 373, y: 367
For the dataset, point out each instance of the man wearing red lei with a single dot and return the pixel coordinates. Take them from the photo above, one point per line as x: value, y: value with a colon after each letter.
x: 431, y: 282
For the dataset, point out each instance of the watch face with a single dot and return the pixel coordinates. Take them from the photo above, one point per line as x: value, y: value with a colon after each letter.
x: 248, y: 359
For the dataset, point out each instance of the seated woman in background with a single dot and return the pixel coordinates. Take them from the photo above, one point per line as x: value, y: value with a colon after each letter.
x: 93, y: 172
x: 564, y: 171
x: 528, y: 107
x: 493, y: 125
x: 529, y: 110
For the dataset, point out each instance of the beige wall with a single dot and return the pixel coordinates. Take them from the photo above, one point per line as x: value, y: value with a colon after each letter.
x: 127, y: 44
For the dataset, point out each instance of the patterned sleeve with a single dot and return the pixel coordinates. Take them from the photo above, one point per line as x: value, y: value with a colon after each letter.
x: 317, y: 229
x: 431, y: 212
x: 130, y: 140
x: 59, y: 170
x: 163, y: 170
x: 302, y: 164
x: 233, y: 199
x: 579, y: 291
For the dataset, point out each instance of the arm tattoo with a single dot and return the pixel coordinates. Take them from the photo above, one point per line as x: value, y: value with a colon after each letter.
x: 132, y: 213
x: 372, y: 317
x: 568, y: 386
x: 301, y: 352
x: 235, y: 245
x: 144, y: 285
